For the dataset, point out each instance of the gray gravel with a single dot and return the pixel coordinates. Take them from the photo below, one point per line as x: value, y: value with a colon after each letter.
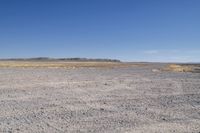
x: 118, y: 100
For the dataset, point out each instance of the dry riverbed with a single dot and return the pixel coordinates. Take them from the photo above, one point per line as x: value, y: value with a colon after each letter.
x: 125, y: 99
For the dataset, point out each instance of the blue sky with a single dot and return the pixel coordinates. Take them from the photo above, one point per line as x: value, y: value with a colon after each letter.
x: 130, y: 30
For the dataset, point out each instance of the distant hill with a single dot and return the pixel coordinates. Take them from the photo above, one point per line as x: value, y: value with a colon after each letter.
x: 60, y: 59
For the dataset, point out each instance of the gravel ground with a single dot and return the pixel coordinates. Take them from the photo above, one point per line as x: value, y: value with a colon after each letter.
x: 118, y: 100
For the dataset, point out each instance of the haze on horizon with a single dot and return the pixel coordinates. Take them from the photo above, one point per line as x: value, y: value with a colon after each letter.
x: 129, y: 30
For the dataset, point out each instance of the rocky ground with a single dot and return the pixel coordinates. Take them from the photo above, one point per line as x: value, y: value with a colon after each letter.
x: 103, y: 100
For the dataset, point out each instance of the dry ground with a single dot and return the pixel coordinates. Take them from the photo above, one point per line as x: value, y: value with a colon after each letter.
x: 103, y: 98
x: 62, y: 64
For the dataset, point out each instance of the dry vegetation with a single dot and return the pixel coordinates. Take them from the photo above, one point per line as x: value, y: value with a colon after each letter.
x: 63, y: 64
x: 178, y: 68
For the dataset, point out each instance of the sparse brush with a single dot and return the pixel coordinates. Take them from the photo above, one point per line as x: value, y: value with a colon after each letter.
x: 178, y: 68
x: 63, y: 64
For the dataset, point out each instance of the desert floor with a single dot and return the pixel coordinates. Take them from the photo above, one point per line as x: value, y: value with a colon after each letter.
x: 131, y: 99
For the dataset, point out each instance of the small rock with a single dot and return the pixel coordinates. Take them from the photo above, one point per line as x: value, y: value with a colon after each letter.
x: 102, y: 109
x: 155, y: 70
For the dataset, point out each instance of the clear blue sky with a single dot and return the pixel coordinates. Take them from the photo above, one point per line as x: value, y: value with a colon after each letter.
x: 130, y: 30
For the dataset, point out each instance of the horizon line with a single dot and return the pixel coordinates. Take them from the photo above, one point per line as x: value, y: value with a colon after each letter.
x: 88, y: 59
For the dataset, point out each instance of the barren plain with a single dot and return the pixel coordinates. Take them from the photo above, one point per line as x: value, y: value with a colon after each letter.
x: 98, y: 97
